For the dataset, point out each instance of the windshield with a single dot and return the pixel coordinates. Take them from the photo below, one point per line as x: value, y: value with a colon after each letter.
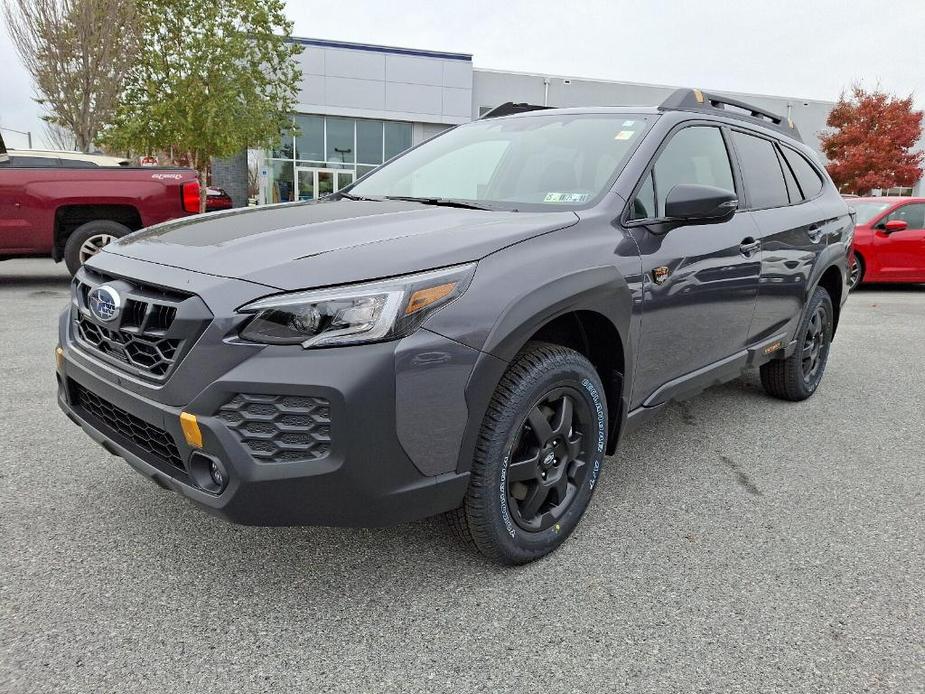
x: 537, y: 161
x: 866, y: 211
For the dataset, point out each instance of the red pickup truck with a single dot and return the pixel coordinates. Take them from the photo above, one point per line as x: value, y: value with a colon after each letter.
x: 70, y: 213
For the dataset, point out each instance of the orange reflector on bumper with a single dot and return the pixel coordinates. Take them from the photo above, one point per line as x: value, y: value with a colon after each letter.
x: 59, y: 358
x: 191, y: 429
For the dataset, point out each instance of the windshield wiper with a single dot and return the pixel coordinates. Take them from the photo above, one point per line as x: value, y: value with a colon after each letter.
x: 351, y: 196
x: 442, y: 202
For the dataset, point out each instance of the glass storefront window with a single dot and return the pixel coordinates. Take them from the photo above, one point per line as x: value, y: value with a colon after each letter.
x: 340, y: 140
x: 327, y: 152
x: 309, y: 143
x: 284, y: 149
x: 397, y: 138
x: 369, y: 141
x: 280, y: 183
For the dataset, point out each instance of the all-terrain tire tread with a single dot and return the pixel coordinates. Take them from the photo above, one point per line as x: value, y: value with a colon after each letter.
x: 466, y: 522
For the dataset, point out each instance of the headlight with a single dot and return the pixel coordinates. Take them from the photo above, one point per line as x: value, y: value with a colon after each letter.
x: 369, y: 312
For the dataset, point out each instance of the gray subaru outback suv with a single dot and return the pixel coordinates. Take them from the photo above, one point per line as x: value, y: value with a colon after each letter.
x: 467, y: 330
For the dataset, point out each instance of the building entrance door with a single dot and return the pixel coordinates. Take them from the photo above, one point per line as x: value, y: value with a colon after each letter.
x: 316, y: 183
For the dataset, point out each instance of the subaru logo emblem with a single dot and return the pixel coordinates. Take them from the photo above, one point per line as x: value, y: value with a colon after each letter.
x: 105, y: 303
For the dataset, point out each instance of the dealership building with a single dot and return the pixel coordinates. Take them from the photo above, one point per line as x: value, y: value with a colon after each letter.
x: 360, y: 104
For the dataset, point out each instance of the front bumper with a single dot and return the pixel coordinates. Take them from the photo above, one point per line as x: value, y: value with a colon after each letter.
x: 397, y: 416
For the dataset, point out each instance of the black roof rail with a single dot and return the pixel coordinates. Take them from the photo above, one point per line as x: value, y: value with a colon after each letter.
x: 698, y: 100
x: 509, y: 109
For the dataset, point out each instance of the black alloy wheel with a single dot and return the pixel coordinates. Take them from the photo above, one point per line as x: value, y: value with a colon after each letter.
x: 549, y: 460
x: 815, y: 346
x: 538, y: 457
x: 797, y: 376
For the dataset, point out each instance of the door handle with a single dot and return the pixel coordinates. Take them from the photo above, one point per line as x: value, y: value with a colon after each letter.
x: 749, y: 246
x: 815, y: 233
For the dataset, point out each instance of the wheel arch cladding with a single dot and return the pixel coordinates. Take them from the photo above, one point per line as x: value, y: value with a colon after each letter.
x: 588, y: 311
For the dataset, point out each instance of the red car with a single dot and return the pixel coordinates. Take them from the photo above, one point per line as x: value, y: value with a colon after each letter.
x: 217, y: 199
x: 889, y: 240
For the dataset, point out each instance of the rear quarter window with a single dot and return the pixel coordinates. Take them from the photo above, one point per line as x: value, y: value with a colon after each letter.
x: 806, y: 175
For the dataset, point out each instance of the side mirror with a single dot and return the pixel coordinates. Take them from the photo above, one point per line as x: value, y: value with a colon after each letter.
x: 688, y: 202
x: 895, y: 225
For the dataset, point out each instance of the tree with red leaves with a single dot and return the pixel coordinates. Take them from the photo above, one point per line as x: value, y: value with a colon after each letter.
x: 871, y: 142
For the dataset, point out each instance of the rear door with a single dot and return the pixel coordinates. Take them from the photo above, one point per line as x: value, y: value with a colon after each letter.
x: 789, y: 227
x: 901, y: 254
x: 700, y: 281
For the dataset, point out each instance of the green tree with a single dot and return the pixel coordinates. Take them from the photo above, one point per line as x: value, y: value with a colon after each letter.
x: 210, y: 79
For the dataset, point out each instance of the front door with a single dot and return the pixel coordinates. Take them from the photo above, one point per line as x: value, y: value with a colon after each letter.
x: 901, y: 254
x: 700, y: 282
x: 316, y: 183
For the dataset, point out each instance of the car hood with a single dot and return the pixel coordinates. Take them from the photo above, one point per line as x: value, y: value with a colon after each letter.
x: 304, y: 245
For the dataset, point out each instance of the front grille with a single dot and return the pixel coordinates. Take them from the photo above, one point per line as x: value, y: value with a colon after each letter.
x: 143, y: 351
x: 280, y: 428
x: 152, y: 332
x: 106, y: 416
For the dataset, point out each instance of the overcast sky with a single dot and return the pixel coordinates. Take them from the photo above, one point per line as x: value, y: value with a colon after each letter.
x: 801, y: 48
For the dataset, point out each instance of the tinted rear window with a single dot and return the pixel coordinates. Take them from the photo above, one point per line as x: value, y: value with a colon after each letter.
x: 761, y: 170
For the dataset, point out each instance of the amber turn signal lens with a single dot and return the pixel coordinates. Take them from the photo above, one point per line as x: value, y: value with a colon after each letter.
x: 191, y: 429
x: 423, y: 298
x: 59, y: 358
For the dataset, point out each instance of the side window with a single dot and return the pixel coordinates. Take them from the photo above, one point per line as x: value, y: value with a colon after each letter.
x: 644, y: 202
x: 805, y: 173
x: 913, y: 215
x: 694, y: 155
x: 78, y: 164
x: 761, y: 170
x: 793, y: 190
x: 34, y: 162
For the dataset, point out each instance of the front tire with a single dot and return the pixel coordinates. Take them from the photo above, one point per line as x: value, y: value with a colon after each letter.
x: 855, y: 272
x: 798, y: 376
x: 88, y: 239
x: 538, y: 456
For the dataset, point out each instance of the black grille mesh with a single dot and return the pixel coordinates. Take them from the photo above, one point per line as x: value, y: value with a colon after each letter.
x: 148, y: 336
x: 145, y: 436
x: 146, y: 352
x: 280, y: 428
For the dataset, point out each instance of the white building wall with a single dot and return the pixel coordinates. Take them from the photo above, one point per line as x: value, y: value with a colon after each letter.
x: 365, y: 81
x: 491, y: 88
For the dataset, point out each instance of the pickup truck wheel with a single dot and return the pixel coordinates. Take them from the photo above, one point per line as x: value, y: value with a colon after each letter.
x: 87, y: 240
x: 538, y: 456
x: 798, y: 376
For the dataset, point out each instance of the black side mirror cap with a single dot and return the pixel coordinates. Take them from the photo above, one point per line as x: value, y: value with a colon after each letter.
x: 697, y: 204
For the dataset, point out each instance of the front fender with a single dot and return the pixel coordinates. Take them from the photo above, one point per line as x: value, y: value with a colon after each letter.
x: 601, y: 290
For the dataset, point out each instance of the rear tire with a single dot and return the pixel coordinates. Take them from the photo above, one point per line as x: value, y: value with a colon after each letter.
x: 538, y: 456
x: 87, y: 240
x: 797, y: 377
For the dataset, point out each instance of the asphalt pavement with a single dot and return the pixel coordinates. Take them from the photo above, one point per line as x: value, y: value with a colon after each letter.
x: 737, y: 544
